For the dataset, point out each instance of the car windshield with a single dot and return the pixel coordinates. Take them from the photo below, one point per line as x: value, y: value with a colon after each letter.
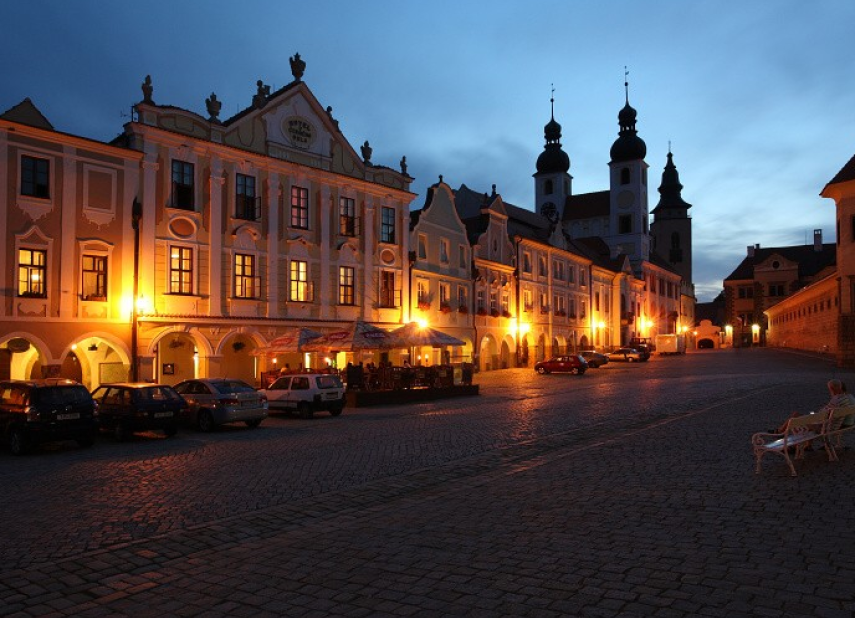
x: 329, y: 381
x: 61, y: 395
x: 232, y: 386
x: 157, y: 393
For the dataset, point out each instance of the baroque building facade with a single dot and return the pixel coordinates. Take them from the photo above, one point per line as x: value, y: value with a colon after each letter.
x: 188, y: 244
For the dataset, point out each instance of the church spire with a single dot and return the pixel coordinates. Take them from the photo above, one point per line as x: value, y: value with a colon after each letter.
x: 553, y: 158
x: 670, y: 190
x: 628, y: 146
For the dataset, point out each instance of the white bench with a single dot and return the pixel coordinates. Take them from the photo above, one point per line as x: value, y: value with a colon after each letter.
x: 826, y: 427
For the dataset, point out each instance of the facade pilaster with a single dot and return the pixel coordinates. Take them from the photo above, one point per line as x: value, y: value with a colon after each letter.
x: 67, y: 265
x: 272, y: 196
x: 215, y: 272
x: 369, y: 285
x: 4, y: 213
x: 325, y: 211
x: 148, y: 222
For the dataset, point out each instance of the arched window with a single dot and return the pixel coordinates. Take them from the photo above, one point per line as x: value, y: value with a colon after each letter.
x: 547, y: 187
x: 675, y: 240
x: 624, y: 176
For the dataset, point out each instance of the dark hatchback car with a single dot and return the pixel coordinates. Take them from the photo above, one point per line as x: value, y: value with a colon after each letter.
x: 594, y: 359
x: 129, y: 407
x: 571, y: 363
x: 37, y: 411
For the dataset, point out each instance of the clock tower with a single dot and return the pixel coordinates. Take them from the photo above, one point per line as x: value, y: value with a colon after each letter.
x: 552, y: 182
x: 629, y: 230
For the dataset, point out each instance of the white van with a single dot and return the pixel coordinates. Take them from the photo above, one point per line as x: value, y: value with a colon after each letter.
x: 306, y: 393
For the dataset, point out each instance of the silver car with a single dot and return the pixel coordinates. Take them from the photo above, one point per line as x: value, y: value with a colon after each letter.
x: 216, y: 401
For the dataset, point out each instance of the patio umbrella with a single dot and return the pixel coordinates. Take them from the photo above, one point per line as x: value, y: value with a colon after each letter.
x: 294, y: 340
x: 414, y: 335
x: 360, y: 336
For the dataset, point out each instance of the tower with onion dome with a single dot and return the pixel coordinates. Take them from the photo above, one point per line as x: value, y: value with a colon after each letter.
x: 629, y: 230
x: 552, y: 181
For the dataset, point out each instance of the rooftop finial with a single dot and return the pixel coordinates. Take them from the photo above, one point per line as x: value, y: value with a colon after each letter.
x: 626, y: 82
x: 552, y: 101
x: 669, y: 146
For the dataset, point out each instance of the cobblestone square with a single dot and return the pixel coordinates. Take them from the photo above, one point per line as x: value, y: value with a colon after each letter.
x: 629, y: 491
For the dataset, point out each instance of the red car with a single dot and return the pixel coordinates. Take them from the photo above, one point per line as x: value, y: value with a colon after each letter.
x: 572, y: 363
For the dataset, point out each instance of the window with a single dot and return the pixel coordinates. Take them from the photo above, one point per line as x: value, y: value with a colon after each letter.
x: 746, y: 291
x: 246, y: 282
x: 544, y: 303
x: 387, y: 225
x: 180, y: 270
x: 422, y: 292
x: 596, y: 301
x: 559, y: 303
x: 444, y: 295
x: 462, y: 257
x: 558, y: 270
x: 300, y: 208
x: 35, y: 177
x: 506, y: 302
x: 388, y: 294
x: 582, y: 277
x: 443, y: 251
x: 246, y: 203
x: 624, y: 176
x: 183, y: 185
x: 625, y: 224
x: 776, y: 289
x: 300, y: 290
x: 547, y: 187
x: 481, y: 305
x: 543, y: 271
x: 32, y: 268
x: 462, y: 297
x: 94, y: 277
x: 571, y: 274
x: 494, y: 301
x: 347, y: 224
x: 528, y: 305
x: 346, y: 285
x: 422, y: 247
x: 526, y: 262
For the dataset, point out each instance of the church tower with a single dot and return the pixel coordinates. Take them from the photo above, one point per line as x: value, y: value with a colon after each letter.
x: 672, y: 227
x: 552, y: 182
x: 629, y: 230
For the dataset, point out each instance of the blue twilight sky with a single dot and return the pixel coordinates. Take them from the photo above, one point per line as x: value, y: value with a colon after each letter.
x: 757, y: 98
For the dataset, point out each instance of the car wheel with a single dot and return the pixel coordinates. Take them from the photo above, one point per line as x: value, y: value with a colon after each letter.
x: 253, y: 423
x: 18, y: 443
x: 541, y: 370
x: 336, y: 411
x: 581, y: 372
x: 121, y: 431
x: 630, y: 359
x: 170, y: 431
x: 205, y: 421
x: 304, y: 409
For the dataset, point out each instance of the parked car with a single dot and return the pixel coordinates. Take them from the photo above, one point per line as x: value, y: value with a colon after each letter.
x: 37, y: 411
x: 212, y: 402
x: 307, y: 393
x: 572, y: 363
x: 128, y: 407
x: 594, y: 358
x: 630, y: 355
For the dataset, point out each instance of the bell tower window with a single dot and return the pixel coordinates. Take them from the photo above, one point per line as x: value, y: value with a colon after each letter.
x: 547, y: 187
x: 624, y: 176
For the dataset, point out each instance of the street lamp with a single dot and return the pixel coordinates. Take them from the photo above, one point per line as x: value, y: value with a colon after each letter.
x: 136, y: 215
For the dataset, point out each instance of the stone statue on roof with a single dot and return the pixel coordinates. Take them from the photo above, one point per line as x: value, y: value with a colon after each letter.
x: 366, y: 152
x: 147, y: 90
x: 214, y: 107
x: 297, y: 67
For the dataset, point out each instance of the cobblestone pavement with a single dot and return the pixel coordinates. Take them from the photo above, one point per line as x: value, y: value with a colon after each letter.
x: 629, y: 491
